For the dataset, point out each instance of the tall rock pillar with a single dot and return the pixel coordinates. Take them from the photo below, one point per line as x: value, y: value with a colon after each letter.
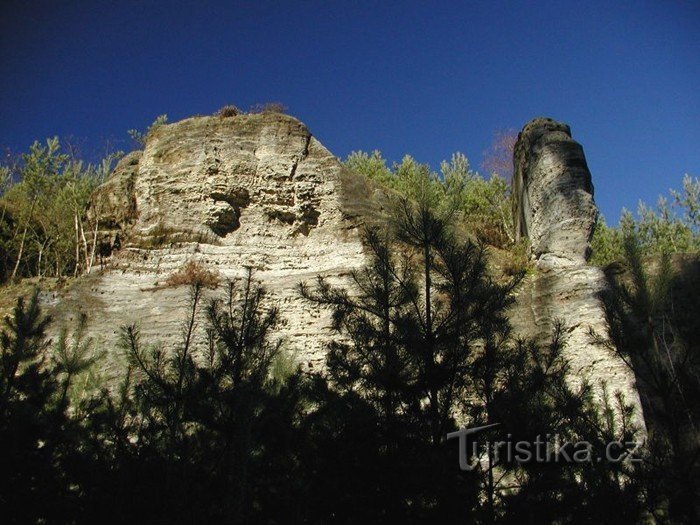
x: 553, y: 208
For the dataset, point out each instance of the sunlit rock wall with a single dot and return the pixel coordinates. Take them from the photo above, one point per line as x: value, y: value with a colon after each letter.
x: 253, y: 191
x: 554, y: 209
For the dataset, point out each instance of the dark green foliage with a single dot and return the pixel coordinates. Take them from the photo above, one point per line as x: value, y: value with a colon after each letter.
x: 535, y: 399
x: 665, y: 229
x: 208, y: 430
x: 391, y: 448
x: 427, y: 345
x: 208, y: 434
x: 214, y: 427
x: 654, y: 326
x: 218, y: 428
x: 36, y: 433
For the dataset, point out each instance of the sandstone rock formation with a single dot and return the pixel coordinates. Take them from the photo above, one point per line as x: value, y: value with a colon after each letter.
x: 554, y: 209
x: 553, y: 191
x: 242, y: 191
x: 260, y: 191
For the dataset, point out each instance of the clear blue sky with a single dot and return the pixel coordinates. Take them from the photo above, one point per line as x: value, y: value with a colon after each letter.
x: 425, y: 78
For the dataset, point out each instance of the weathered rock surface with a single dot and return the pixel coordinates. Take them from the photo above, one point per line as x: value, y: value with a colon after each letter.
x: 554, y: 209
x: 246, y: 191
x: 260, y: 191
x: 553, y: 191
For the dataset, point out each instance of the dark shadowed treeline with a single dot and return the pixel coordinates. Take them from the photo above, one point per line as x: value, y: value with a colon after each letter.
x: 226, y: 431
x: 221, y: 427
x: 653, y: 310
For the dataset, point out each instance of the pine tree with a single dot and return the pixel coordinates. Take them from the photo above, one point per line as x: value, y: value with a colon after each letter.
x: 653, y: 320
x: 210, y: 416
x: 427, y: 346
x: 415, y: 319
x: 35, y: 428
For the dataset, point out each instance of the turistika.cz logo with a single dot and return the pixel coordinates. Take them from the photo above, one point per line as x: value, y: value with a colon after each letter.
x: 544, y: 449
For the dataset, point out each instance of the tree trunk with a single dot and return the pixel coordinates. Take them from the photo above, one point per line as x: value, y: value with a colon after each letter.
x: 42, y: 248
x: 430, y: 354
x: 490, y: 489
x: 77, y: 246
x: 85, y: 245
x: 94, y: 245
x: 19, y: 255
x: 21, y: 244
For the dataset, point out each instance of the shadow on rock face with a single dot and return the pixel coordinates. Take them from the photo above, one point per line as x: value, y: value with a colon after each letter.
x: 227, y: 219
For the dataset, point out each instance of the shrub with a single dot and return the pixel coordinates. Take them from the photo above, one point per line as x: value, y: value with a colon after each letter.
x: 194, y: 273
x: 268, y: 107
x: 606, y: 244
x: 518, y: 259
x: 162, y: 235
x: 140, y: 137
x: 228, y: 110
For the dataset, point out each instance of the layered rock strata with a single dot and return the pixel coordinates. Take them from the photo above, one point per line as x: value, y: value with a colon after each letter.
x: 554, y: 209
x: 260, y: 192
x: 254, y: 191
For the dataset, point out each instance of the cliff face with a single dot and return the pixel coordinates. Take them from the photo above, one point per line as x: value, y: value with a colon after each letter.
x: 260, y: 191
x: 246, y: 191
x: 554, y: 208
